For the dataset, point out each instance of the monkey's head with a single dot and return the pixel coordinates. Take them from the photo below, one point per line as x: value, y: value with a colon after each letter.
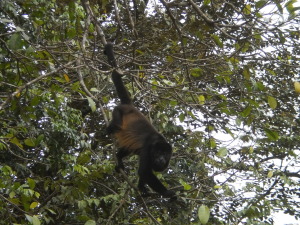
x: 161, y: 153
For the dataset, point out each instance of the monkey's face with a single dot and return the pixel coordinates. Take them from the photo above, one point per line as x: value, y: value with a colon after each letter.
x: 160, y: 156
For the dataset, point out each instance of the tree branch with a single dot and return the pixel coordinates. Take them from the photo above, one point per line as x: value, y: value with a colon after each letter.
x: 89, y: 11
x: 202, y: 14
x: 131, y: 20
x: 118, y: 15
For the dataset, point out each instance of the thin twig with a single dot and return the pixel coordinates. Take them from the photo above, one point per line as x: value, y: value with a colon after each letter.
x: 117, y: 15
x: 131, y: 20
x: 202, y: 14
x: 90, y: 94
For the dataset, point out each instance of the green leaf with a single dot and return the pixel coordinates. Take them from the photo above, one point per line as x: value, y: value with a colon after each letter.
x: 203, y: 214
x: 297, y: 87
x: 90, y: 222
x: 185, y: 185
x: 84, y: 158
x: 260, y: 86
x: 19, y: 29
x: 201, y: 99
x: 234, y: 60
x: 272, y: 135
x: 35, y: 100
x: 238, y: 121
x: 251, y: 150
x: 72, y: 10
x: 191, y: 114
x: 169, y: 83
x: 71, y: 32
x: 257, y: 36
x: 12, y: 194
x: 29, y: 218
x: 51, y: 211
x: 29, y: 142
x: 82, y: 204
x: 105, y: 99
x: 247, y: 10
x: 92, y: 104
x: 272, y: 102
x: 290, y: 6
x: 39, y: 139
x: 31, y: 183
x: 6, y: 170
x: 81, y: 169
x: 30, y: 50
x: 212, y: 143
x: 173, y: 103
x: 206, y: 2
x: 196, y: 72
x: 246, y: 111
x: 271, y: 72
x: 222, y: 152
x: 246, y: 46
x: 169, y: 59
x: 94, y: 201
x: 229, y: 131
x: 246, y: 73
x: 181, y: 117
x: 260, y: 3
x: 67, y: 78
x: 15, y: 41
x: 16, y: 142
x: 94, y: 90
x: 217, y: 40
x: 279, y: 7
x: 36, y: 194
x: 33, y: 205
x: 35, y: 220
x: 6, y: 20
x: 270, y: 174
x: 3, y: 146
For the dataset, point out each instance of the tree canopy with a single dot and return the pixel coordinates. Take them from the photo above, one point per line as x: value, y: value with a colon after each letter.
x: 219, y: 79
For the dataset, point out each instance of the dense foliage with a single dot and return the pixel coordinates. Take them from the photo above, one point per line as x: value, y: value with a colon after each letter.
x: 217, y: 78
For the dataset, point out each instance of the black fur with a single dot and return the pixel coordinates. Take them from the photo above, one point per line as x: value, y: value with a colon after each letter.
x: 121, y: 90
x: 136, y: 135
x: 108, y: 51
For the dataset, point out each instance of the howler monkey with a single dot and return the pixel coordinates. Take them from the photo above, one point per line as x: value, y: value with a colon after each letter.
x: 136, y: 135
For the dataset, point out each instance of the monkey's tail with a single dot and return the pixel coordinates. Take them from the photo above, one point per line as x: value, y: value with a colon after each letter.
x: 116, y: 75
x: 121, y: 89
x: 108, y: 50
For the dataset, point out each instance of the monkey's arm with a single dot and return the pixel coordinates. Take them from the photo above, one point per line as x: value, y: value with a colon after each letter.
x: 146, y: 176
